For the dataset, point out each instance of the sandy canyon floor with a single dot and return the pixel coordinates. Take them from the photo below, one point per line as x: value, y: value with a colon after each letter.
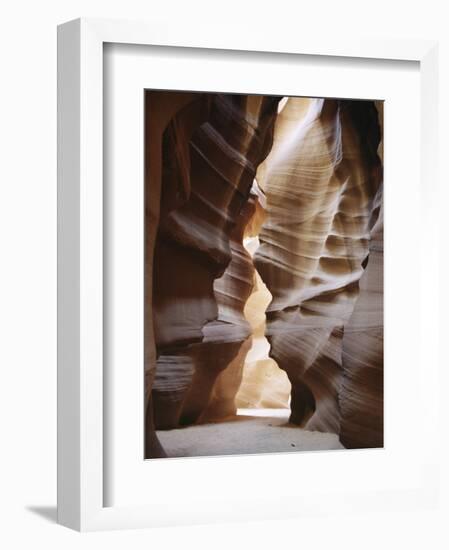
x: 251, y: 431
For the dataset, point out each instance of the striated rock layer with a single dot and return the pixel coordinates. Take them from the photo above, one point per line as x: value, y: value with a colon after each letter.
x: 304, y: 178
x: 211, y: 148
x: 361, y: 394
x: 321, y: 179
x: 160, y: 108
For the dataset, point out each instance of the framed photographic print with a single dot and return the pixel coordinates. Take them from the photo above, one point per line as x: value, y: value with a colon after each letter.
x: 232, y: 339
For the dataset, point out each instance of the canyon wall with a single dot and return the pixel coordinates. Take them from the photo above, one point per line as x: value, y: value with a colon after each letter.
x: 223, y: 173
x: 321, y: 180
x: 362, y: 391
x: 201, y: 177
x: 160, y: 109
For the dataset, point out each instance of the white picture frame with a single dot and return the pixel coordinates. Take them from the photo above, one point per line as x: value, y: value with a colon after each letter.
x: 81, y: 410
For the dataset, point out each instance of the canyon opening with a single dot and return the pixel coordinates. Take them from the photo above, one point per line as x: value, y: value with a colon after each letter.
x: 263, y: 274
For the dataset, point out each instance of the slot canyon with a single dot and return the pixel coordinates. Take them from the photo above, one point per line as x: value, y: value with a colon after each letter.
x: 263, y: 274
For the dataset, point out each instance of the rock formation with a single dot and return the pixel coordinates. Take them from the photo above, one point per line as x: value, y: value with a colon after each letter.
x: 361, y: 394
x: 321, y: 179
x: 211, y: 147
x: 224, y: 172
x: 160, y: 109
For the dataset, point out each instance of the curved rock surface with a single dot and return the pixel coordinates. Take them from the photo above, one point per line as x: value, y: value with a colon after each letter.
x: 303, y: 177
x: 362, y: 392
x: 320, y: 179
x: 211, y: 149
x: 160, y: 108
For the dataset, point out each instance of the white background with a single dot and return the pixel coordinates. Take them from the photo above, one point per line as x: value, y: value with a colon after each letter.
x: 28, y: 273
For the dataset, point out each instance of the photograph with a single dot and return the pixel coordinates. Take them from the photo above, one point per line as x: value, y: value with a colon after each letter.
x: 263, y: 313
x: 224, y: 253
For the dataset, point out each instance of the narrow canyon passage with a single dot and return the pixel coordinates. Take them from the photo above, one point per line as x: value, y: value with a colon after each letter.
x: 264, y: 385
x: 261, y: 420
x: 263, y: 312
